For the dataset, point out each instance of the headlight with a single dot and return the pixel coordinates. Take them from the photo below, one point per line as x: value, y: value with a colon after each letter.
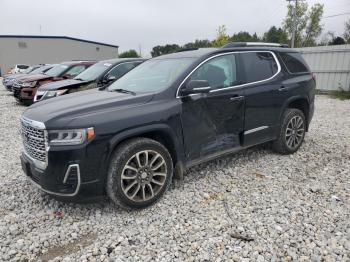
x: 71, y: 137
x: 28, y: 84
x: 50, y: 94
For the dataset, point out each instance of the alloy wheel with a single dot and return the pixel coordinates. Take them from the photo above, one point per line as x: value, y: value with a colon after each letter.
x: 143, y: 175
x: 295, y: 132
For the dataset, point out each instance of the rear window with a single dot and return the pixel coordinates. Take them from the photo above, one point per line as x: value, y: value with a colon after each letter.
x: 259, y: 66
x: 22, y: 66
x: 294, y: 63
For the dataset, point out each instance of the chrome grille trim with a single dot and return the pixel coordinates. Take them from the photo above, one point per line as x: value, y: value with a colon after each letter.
x: 34, y: 138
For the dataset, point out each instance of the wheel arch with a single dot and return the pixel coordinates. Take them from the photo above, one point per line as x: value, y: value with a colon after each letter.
x: 158, y: 132
x: 298, y: 102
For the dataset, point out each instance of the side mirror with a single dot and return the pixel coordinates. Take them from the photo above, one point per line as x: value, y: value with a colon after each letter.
x: 196, y: 87
x: 66, y: 76
x: 109, y: 78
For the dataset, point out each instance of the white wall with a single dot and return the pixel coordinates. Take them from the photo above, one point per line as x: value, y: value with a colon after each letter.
x: 50, y: 50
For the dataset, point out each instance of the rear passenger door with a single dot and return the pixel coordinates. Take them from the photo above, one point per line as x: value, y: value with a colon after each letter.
x: 263, y: 96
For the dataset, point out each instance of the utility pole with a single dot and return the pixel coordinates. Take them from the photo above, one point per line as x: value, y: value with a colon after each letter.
x: 140, y: 52
x: 294, y: 21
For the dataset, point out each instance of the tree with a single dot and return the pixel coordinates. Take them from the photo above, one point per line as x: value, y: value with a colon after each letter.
x: 166, y: 49
x: 197, y: 44
x: 129, y: 53
x: 221, y: 38
x: 313, y: 28
x: 337, y: 41
x: 347, y: 32
x: 308, y: 23
x: 276, y: 35
x: 301, y: 21
x: 244, y: 37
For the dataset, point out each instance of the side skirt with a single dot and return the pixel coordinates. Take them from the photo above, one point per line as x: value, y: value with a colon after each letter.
x: 221, y: 154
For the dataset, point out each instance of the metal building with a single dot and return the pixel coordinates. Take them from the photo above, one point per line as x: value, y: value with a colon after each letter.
x: 30, y: 50
x: 330, y: 64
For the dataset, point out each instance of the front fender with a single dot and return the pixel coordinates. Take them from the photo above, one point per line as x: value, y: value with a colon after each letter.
x: 134, y: 132
x: 137, y: 132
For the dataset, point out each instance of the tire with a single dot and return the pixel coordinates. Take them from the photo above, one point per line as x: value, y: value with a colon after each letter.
x: 131, y: 183
x: 292, y: 132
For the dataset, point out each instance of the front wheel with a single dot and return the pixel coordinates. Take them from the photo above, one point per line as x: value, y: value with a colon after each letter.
x: 292, y: 132
x: 140, y: 172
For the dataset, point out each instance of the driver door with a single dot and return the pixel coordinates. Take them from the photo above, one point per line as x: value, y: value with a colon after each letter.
x: 212, y: 123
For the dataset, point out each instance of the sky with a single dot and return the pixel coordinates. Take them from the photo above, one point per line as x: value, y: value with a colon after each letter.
x: 142, y: 24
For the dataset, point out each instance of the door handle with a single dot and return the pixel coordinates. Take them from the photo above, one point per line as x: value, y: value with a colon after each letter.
x: 237, y: 98
x: 283, y: 88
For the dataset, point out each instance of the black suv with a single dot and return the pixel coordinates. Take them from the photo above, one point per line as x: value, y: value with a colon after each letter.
x: 100, y: 75
x: 164, y: 116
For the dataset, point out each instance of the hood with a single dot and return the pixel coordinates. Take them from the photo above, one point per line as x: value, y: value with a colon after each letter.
x: 63, y: 84
x: 14, y: 76
x: 60, y: 111
x: 31, y: 78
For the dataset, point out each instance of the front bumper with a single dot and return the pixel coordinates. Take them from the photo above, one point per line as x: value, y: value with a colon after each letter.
x: 62, y: 179
x: 24, y: 94
x: 8, y: 86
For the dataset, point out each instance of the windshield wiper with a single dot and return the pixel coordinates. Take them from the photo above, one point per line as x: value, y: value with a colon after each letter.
x: 79, y: 79
x: 120, y: 90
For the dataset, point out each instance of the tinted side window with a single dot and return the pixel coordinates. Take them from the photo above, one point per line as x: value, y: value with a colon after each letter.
x: 121, y: 69
x: 294, y: 63
x: 220, y: 72
x: 258, y: 66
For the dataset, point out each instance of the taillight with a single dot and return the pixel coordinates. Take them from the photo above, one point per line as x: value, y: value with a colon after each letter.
x: 313, y: 76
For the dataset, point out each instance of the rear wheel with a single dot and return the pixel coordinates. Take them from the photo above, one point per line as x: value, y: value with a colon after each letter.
x: 140, y: 172
x: 292, y: 132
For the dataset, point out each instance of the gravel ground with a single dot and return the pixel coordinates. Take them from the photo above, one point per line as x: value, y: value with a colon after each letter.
x: 252, y: 206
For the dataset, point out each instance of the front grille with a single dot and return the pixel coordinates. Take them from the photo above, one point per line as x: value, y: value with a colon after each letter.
x: 34, y: 141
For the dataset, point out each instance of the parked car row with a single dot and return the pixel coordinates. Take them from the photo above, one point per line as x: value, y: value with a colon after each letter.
x: 129, y: 139
x: 48, y: 81
x: 20, y: 68
x: 9, y: 80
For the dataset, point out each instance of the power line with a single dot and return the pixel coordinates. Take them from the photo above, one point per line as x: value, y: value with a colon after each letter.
x: 336, y: 15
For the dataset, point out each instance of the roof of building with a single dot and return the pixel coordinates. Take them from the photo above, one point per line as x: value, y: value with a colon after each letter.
x: 57, y: 37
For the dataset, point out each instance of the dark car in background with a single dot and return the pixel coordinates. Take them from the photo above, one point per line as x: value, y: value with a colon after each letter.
x: 9, y: 80
x: 25, y: 89
x: 165, y: 116
x: 98, y: 75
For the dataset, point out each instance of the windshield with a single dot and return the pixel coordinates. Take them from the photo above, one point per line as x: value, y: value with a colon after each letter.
x: 56, y: 70
x: 28, y: 70
x: 39, y: 70
x: 93, y: 72
x: 153, y: 75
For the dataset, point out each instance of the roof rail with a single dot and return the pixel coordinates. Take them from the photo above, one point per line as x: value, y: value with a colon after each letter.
x: 247, y: 44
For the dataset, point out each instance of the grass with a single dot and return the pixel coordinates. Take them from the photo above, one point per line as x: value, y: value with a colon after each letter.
x: 340, y: 94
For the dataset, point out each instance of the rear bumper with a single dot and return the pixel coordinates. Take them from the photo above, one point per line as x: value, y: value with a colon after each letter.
x: 311, y: 114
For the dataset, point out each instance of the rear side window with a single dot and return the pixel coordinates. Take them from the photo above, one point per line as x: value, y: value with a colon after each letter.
x: 22, y: 66
x: 259, y: 66
x: 294, y: 63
